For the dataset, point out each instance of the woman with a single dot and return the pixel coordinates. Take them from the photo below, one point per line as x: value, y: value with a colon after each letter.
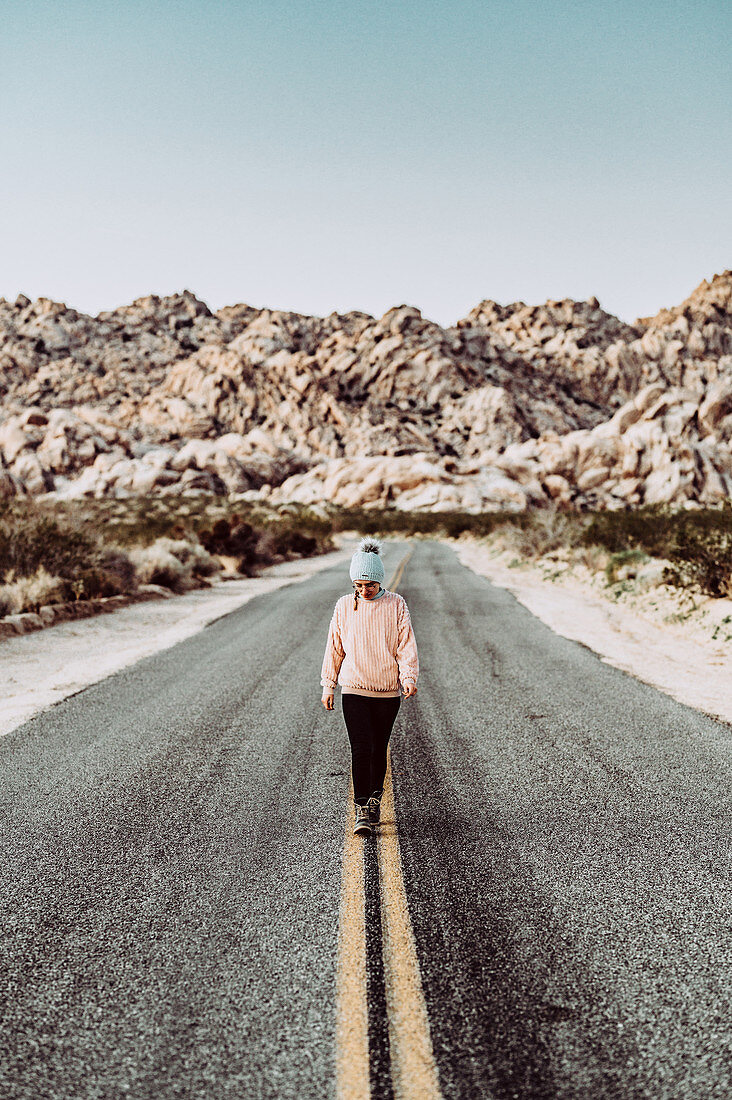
x: 371, y: 650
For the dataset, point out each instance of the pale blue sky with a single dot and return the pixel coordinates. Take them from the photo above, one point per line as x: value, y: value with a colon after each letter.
x: 321, y: 156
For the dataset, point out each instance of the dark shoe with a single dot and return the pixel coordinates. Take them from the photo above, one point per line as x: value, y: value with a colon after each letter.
x: 374, y: 805
x: 361, y: 825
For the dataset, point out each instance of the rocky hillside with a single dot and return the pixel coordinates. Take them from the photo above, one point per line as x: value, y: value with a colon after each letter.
x: 515, y: 405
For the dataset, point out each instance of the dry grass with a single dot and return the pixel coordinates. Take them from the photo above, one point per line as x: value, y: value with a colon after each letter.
x: 545, y: 533
x: 28, y: 593
x: 174, y: 563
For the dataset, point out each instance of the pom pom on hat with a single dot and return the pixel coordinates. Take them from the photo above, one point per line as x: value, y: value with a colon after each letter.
x: 366, y: 563
x: 370, y: 546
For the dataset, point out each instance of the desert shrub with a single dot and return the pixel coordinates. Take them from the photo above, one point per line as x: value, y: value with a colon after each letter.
x: 116, y: 564
x: 655, y: 528
x: 229, y: 536
x: 316, y: 523
x: 300, y: 544
x: 233, y: 538
x: 264, y: 537
x: 299, y: 533
x: 157, y: 565
x: 190, y: 554
x: 38, y: 546
x: 33, y: 541
x: 702, y: 559
x: 593, y: 558
x: 455, y: 524
x: 97, y: 547
x: 172, y: 563
x: 623, y: 562
x: 534, y: 534
x: 697, y: 542
x: 278, y: 542
x: 648, y: 529
x: 286, y: 542
x: 89, y: 584
x: 29, y: 593
x: 140, y: 522
x: 203, y: 563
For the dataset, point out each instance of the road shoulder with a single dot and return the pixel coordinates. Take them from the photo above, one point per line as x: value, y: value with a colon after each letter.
x: 693, y: 669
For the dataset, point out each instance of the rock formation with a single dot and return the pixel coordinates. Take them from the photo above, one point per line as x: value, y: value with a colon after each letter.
x: 514, y: 406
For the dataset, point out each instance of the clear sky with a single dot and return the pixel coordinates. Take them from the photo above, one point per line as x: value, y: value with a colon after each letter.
x: 319, y: 155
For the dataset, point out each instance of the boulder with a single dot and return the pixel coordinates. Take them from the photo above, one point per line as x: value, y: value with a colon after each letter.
x: 717, y: 403
x: 12, y: 439
x: 28, y: 471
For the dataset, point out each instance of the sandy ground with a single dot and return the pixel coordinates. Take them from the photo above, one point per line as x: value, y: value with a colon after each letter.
x: 37, y: 670
x: 679, y: 644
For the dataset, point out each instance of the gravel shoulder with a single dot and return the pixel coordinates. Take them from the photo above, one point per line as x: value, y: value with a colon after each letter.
x: 679, y: 644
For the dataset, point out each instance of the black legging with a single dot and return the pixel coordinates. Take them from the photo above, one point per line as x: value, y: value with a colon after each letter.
x: 369, y: 722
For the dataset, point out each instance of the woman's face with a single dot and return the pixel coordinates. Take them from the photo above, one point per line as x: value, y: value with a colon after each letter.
x: 367, y: 589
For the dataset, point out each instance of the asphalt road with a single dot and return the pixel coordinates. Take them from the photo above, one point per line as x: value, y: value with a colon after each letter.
x: 170, y: 864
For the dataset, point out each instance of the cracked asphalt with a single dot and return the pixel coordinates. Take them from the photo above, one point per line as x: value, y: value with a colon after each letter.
x: 171, y: 849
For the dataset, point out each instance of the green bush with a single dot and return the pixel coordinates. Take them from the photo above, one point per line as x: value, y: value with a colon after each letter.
x: 697, y: 542
x: 644, y: 528
x: 621, y: 559
x: 702, y: 559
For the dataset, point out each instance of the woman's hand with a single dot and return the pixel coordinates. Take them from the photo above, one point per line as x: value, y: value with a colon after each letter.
x: 327, y: 700
x: 409, y: 689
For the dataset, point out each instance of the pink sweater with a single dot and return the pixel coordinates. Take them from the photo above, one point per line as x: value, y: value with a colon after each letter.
x: 372, y: 649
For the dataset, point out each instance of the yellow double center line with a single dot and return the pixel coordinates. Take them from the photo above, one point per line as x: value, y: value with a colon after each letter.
x: 413, y: 1069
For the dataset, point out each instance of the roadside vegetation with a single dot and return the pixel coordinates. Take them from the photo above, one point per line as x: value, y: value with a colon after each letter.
x: 689, y: 548
x: 54, y: 551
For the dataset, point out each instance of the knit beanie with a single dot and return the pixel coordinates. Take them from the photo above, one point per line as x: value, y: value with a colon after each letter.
x: 366, y: 565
